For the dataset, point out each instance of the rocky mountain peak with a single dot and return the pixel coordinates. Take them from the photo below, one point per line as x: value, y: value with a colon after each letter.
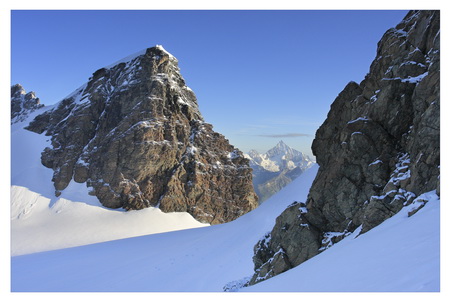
x: 280, y: 148
x: 378, y: 150
x: 22, y: 103
x: 281, y: 144
x: 17, y: 89
x: 162, y: 49
x: 134, y: 134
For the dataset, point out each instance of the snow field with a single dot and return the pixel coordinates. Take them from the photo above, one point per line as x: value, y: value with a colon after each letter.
x: 201, y: 259
x: 401, y: 254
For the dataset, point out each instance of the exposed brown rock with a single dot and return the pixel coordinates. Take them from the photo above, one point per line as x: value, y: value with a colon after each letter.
x: 134, y: 134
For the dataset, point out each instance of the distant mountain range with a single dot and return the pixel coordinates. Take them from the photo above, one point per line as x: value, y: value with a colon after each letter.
x: 276, y: 168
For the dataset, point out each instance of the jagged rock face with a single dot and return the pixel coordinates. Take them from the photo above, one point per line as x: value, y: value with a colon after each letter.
x: 135, y: 135
x: 276, y: 168
x: 22, y: 103
x: 378, y: 149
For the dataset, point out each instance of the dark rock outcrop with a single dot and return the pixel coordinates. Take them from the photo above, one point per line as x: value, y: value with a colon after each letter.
x: 135, y: 135
x: 377, y: 150
x: 22, y: 103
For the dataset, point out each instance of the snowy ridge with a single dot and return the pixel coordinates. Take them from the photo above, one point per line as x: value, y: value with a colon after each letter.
x: 127, y: 58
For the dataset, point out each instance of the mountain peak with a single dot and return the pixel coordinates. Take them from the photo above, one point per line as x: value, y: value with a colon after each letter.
x: 17, y: 88
x: 134, y: 134
x: 281, y: 148
x: 281, y: 143
x: 22, y: 103
x: 155, y: 52
x: 161, y: 48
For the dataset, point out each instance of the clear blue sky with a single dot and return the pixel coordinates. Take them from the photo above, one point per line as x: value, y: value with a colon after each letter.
x: 259, y: 76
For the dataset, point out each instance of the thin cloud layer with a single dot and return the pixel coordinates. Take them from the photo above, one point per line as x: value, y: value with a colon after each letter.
x: 289, y: 135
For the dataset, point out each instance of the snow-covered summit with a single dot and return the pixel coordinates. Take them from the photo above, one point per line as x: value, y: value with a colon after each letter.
x: 142, y: 52
x: 280, y: 148
x: 279, y: 158
x: 161, y: 48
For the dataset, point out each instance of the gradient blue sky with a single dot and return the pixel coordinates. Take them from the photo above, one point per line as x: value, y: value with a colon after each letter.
x: 259, y: 76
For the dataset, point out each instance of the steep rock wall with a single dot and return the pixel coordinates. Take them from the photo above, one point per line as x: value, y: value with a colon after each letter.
x: 378, y: 149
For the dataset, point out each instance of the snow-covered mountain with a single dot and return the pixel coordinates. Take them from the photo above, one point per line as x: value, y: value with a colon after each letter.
x: 276, y: 168
x: 279, y: 158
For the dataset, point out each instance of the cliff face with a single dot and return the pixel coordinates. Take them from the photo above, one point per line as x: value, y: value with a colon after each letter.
x: 377, y: 150
x: 135, y: 135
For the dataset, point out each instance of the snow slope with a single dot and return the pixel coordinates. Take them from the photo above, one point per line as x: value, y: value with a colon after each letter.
x: 201, y: 259
x: 41, y: 222
x: 402, y: 254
